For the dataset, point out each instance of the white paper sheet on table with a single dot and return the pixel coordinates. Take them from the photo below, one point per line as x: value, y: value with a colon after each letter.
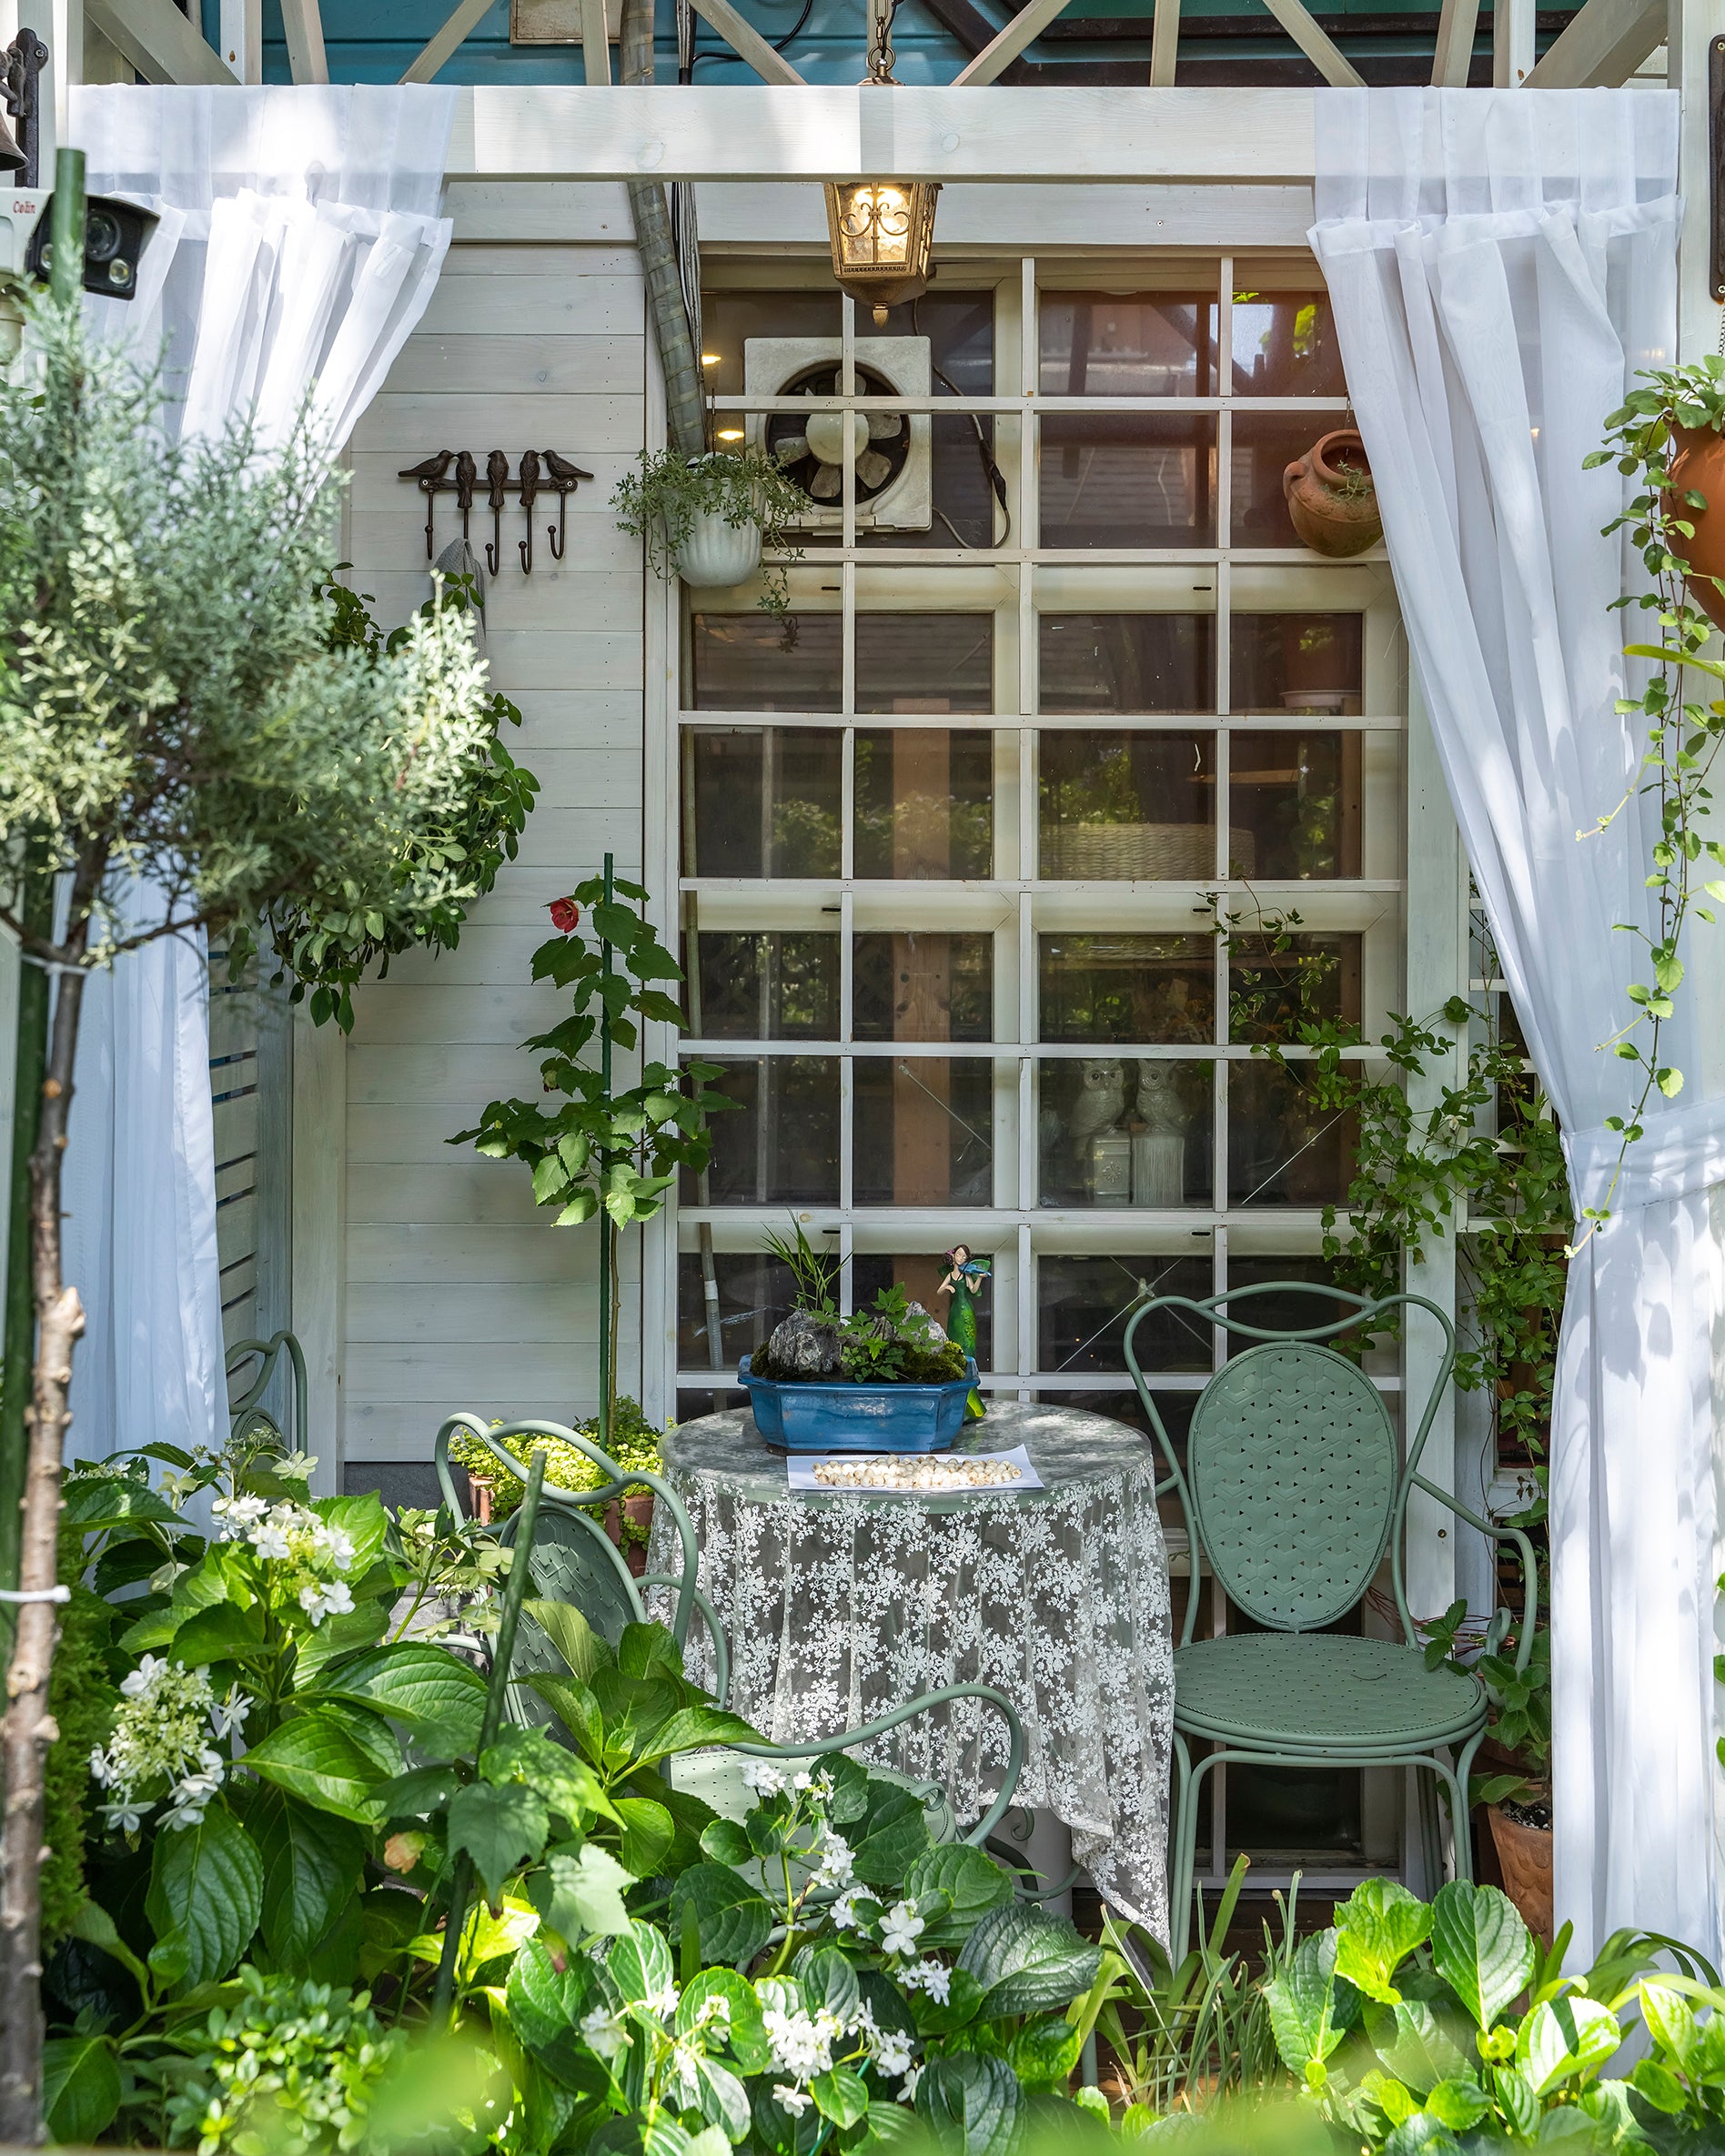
x: 800, y: 1473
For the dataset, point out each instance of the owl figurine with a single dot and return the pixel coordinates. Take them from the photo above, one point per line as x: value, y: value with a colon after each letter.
x: 1159, y: 1106
x: 1100, y: 1103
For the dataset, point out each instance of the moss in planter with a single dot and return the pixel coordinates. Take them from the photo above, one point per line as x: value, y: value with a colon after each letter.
x: 634, y: 1446
x: 939, y: 1363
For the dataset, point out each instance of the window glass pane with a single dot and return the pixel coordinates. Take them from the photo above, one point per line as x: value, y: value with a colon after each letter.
x: 1129, y: 479
x: 1285, y: 346
x: 766, y: 802
x: 919, y: 986
x: 1083, y: 1305
x: 1107, y: 344
x: 925, y: 662
x: 1282, y: 1313
x: 1113, y: 1132
x: 753, y: 984
x: 1265, y: 445
x: 729, y: 319
x: 924, y: 1131
x: 1119, y: 805
x: 1278, y: 984
x: 959, y: 328
x: 1127, y: 663
x: 751, y: 663
x: 920, y: 1274
x: 751, y: 1293
x: 780, y: 1144
x: 1295, y: 798
x: 1281, y: 1814
x: 1284, y: 1148
x: 1297, y: 662
x: 1127, y: 987
x: 924, y: 803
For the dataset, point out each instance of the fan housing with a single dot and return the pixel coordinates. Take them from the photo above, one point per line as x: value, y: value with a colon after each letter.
x: 893, y: 478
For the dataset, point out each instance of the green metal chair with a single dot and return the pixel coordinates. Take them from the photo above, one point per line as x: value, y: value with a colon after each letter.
x: 1293, y: 1491
x: 573, y: 1560
x: 244, y: 1413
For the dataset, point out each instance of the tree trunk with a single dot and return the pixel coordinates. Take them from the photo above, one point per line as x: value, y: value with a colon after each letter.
x: 28, y: 1728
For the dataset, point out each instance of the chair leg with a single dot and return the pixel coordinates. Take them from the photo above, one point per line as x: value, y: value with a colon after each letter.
x: 1463, y: 1781
x: 1180, y: 1871
x: 1431, y: 1839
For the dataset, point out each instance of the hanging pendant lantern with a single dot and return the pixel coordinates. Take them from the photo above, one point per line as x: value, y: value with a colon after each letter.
x: 882, y: 232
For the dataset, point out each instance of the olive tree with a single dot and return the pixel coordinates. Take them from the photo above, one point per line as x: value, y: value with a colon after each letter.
x: 180, y: 748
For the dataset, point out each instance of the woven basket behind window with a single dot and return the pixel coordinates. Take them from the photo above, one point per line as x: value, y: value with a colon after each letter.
x: 1147, y: 853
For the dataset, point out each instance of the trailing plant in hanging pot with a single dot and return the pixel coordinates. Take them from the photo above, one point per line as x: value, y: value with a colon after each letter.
x: 1331, y: 497
x: 711, y: 518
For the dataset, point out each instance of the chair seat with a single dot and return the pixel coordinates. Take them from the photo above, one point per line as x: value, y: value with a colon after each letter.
x: 716, y: 1778
x: 1320, y: 1693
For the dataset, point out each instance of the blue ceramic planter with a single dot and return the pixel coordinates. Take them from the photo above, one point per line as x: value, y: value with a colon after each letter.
x: 838, y: 1417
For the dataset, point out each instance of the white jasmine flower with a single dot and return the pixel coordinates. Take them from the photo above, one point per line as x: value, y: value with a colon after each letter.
x: 933, y: 1977
x: 603, y: 2033
x: 900, y: 1930
x: 270, y: 1541
x: 794, y: 2100
x: 763, y: 1778
x: 838, y: 1862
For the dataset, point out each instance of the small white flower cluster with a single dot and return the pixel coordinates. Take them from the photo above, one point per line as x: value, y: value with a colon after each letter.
x: 890, y: 2048
x: 161, y: 1736
x: 767, y: 1780
x: 930, y: 1975
x: 605, y: 2035
x: 290, y: 1534
x: 901, y: 1928
x: 803, y: 2043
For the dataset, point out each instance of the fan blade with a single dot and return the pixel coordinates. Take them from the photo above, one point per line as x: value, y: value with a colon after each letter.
x: 885, y: 427
x: 828, y: 483
x: 791, y: 448
x: 872, y: 469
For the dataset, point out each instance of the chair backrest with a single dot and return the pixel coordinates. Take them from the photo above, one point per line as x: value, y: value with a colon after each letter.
x: 244, y: 1413
x: 1293, y: 1485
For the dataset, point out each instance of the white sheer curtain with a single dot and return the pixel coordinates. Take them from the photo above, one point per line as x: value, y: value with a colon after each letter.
x: 1501, y: 263
x: 300, y: 242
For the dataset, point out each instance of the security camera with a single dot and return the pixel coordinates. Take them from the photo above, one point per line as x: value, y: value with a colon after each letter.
x: 115, y: 232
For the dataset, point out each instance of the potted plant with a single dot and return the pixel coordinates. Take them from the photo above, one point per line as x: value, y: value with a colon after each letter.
x: 1669, y: 439
x: 1331, y: 497
x: 709, y: 518
x: 633, y: 1444
x: 885, y: 1379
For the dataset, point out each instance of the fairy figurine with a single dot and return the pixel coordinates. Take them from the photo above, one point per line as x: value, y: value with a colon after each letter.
x: 964, y: 1284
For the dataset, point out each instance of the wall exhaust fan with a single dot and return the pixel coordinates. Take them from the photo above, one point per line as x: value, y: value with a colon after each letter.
x: 893, y: 482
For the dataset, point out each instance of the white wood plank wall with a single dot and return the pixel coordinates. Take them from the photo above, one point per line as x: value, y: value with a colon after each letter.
x: 457, y: 1295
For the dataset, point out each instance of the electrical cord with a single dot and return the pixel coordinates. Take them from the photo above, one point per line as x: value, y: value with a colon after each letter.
x: 991, y: 473
x: 723, y: 51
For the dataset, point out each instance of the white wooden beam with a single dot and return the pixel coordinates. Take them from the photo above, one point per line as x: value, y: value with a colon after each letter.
x: 1165, y: 41
x: 454, y: 31
x: 746, y: 42
x: 157, y: 40
x: 1002, y: 50
x: 1601, y: 46
x: 1134, y: 135
x: 1512, y: 52
x: 596, y: 54
x: 1456, y: 23
x: 1318, y: 46
x: 242, y: 46
x: 302, y: 25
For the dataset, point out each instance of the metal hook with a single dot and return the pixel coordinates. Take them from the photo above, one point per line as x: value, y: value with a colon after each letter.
x: 565, y: 478
x: 429, y: 473
x: 497, y: 473
x: 528, y: 488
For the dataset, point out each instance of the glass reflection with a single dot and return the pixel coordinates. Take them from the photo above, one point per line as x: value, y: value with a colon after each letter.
x: 1109, y: 344
x: 1119, y: 805
x: 780, y: 1144
x: 924, y: 803
x: 1129, y: 479
x: 754, y: 985
x: 1285, y: 346
x: 1297, y: 662
x: 924, y: 1131
x: 1296, y: 799
x: 1277, y: 985
x: 1117, y: 1132
x: 1286, y: 1147
x: 729, y: 1301
x: 1265, y: 445
x: 1127, y: 663
x: 754, y: 662
x: 1084, y: 1304
x: 1127, y: 987
x: 925, y: 662
x: 922, y: 986
x: 765, y: 802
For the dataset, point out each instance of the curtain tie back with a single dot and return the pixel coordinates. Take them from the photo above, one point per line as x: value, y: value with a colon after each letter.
x: 1681, y: 1156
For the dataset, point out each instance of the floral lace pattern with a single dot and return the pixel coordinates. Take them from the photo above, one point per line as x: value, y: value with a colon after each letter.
x: 839, y: 1609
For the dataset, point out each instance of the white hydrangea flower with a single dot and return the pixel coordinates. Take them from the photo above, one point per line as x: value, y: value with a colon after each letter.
x: 160, y: 1743
x: 933, y: 1977
x: 238, y: 1516
x: 900, y: 1930
x: 802, y: 2042
x: 794, y: 2100
x: 143, y: 1679
x: 270, y: 1542
x: 762, y: 1776
x: 330, y: 1545
x: 843, y: 1911
x: 603, y: 2032
x: 838, y: 1862
x: 127, y: 1818
x: 335, y: 1599
x: 228, y: 1714
x: 894, y: 2051
x: 908, y: 2089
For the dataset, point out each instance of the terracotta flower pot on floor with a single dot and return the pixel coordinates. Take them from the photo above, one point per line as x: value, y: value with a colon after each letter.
x: 1525, y: 1853
x: 1331, y: 498
x: 1698, y: 468
x: 638, y: 1509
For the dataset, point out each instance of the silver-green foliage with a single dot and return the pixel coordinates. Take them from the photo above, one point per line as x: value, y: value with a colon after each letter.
x: 169, y: 705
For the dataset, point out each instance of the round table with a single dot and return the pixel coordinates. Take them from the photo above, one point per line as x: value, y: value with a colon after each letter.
x: 840, y: 1607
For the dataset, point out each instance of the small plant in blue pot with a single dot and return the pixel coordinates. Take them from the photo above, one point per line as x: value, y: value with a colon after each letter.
x: 885, y: 1379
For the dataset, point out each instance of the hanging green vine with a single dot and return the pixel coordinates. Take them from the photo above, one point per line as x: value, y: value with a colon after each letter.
x: 1643, y: 439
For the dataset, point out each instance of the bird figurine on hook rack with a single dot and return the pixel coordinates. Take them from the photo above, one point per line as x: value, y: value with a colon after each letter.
x: 546, y: 471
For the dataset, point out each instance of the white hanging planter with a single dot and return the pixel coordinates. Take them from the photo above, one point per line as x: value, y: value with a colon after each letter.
x: 716, y: 552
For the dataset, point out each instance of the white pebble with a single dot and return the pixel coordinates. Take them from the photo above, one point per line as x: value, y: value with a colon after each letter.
x: 895, y: 1471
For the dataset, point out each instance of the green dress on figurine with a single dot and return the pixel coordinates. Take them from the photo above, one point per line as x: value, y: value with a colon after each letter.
x: 964, y: 1284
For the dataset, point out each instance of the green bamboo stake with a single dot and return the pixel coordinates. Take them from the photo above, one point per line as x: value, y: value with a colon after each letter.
x: 606, y: 1375
x: 509, y: 1620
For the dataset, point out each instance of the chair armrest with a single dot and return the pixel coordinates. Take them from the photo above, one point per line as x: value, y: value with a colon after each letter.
x: 997, y: 1811
x: 1530, y: 1568
x: 715, y: 1630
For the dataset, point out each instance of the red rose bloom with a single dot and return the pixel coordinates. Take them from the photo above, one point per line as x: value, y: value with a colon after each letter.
x: 565, y: 915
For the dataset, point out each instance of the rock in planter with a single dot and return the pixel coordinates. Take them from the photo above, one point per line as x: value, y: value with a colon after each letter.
x: 1331, y: 498
x: 1698, y: 468
x: 1524, y: 1852
x: 804, y: 1347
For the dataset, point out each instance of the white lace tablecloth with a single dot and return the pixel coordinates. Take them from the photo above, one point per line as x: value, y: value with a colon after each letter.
x: 839, y: 1608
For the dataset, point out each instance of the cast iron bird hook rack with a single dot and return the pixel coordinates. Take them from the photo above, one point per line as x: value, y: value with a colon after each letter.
x: 538, y: 471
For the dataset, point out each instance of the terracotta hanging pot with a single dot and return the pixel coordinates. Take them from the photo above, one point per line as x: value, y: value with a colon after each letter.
x: 1698, y: 468
x: 1331, y: 498
x: 1524, y: 1852
x: 637, y: 1508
